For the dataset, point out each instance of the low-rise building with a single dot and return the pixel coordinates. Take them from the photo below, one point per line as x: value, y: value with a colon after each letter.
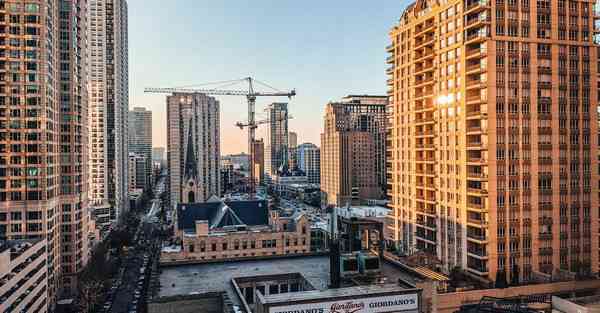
x: 223, y: 230
x: 23, y: 276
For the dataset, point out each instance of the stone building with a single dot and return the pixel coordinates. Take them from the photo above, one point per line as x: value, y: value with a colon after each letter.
x: 218, y: 230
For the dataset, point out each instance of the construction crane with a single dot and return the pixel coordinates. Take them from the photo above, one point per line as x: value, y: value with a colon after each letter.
x: 260, y: 122
x: 250, y: 95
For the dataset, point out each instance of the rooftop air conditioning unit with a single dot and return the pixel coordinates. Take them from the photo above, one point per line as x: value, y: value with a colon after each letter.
x: 368, y: 263
x: 348, y: 265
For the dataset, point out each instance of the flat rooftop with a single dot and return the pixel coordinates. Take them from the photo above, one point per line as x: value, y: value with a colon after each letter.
x: 215, y: 277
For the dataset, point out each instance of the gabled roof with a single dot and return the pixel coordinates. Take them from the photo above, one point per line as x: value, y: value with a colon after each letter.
x: 220, y: 214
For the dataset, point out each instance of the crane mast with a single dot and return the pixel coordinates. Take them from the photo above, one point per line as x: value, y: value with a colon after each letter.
x: 251, y: 96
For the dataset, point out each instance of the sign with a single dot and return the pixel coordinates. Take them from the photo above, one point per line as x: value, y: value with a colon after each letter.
x: 406, y: 303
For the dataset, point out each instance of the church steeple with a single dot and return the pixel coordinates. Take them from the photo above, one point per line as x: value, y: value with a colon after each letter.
x: 191, y: 165
x: 190, y: 170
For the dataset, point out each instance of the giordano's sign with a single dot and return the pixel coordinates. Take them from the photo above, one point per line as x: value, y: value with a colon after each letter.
x: 406, y: 303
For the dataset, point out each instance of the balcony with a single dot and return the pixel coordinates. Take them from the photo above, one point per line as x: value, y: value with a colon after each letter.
x: 475, y: 145
x: 476, y: 68
x: 390, y: 70
x: 477, y: 253
x: 478, y: 5
x: 477, y: 222
x: 478, y: 21
x: 477, y: 238
x: 478, y: 36
x: 477, y: 191
x: 423, y: 82
x: 390, y: 59
x: 481, y: 271
x: 427, y: 27
x: 476, y: 161
x: 425, y: 40
x: 545, y: 236
x: 390, y: 48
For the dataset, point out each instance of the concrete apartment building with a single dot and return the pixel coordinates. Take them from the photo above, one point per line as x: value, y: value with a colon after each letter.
x: 258, y: 162
x: 309, y: 161
x: 276, y: 144
x: 217, y: 230
x: 292, y: 149
x: 492, y: 138
x: 353, y: 150
x: 137, y: 175
x: 24, y: 276
x: 109, y: 104
x: 193, y: 147
x: 43, y: 178
x: 140, y: 138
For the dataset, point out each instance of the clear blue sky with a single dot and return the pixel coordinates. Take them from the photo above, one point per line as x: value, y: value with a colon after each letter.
x: 324, y: 49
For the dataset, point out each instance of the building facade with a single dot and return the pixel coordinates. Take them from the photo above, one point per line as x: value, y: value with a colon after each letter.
x: 43, y: 178
x: 140, y: 138
x: 24, y: 274
x: 108, y: 106
x: 309, y: 161
x: 258, y: 161
x: 276, y: 144
x: 193, y: 147
x: 493, y: 134
x: 137, y: 175
x: 353, y: 150
x: 217, y: 230
x: 292, y: 149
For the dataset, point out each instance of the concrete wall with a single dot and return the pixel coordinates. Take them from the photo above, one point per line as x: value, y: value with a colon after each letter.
x: 451, y: 302
x: 206, y: 305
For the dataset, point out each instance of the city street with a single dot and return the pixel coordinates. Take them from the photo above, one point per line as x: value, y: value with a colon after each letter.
x: 129, y: 295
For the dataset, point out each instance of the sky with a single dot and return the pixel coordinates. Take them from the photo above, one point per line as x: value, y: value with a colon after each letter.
x: 323, y: 49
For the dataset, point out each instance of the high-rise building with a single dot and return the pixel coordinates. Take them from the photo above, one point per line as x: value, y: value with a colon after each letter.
x: 492, y: 136
x: 193, y: 147
x: 43, y: 179
x: 158, y: 154
x: 276, y: 144
x: 109, y: 98
x: 137, y: 175
x: 309, y: 161
x: 292, y: 150
x: 353, y: 150
x: 140, y: 138
x: 258, y: 162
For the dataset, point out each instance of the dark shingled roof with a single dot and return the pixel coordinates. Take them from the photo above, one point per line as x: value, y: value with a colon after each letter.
x: 250, y: 212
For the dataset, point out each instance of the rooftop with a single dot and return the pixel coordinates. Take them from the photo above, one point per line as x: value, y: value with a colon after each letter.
x: 220, y: 214
x: 17, y: 247
x: 215, y: 277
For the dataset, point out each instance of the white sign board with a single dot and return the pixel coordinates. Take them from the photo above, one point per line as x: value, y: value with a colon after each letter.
x: 406, y: 303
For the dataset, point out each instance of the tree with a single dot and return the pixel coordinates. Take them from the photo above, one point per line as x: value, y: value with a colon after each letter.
x: 94, y: 277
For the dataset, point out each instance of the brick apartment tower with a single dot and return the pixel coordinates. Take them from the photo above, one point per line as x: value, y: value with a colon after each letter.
x: 193, y: 147
x: 108, y: 109
x: 492, y: 136
x: 43, y: 107
x: 353, y: 150
x: 258, y: 162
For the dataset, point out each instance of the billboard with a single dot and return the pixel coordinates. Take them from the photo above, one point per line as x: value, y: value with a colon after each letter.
x: 405, y: 303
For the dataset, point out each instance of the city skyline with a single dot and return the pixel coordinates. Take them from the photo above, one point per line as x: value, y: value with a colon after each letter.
x: 327, y: 37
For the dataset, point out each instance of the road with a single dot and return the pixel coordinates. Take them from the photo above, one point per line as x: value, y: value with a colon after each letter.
x: 132, y: 285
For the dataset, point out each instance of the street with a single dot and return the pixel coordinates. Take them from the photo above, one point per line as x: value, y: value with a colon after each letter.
x: 129, y: 292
